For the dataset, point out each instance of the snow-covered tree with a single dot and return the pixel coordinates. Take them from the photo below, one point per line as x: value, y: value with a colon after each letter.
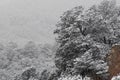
x: 87, y: 35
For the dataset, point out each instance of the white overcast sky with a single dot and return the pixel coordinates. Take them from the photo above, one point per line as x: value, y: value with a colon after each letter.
x: 23, y: 20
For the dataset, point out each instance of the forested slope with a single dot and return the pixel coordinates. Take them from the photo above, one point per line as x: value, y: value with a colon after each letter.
x: 14, y: 60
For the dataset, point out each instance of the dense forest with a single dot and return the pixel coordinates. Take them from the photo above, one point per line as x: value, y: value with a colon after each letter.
x: 83, y: 49
x: 30, y: 60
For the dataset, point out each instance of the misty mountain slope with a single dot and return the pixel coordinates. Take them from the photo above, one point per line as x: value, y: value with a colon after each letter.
x: 24, y: 20
x: 20, y: 21
x: 14, y: 60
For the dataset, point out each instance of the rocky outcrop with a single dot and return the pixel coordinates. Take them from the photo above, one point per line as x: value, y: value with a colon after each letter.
x: 114, y: 61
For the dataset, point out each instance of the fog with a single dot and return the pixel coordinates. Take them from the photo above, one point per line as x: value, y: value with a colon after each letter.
x: 24, y: 20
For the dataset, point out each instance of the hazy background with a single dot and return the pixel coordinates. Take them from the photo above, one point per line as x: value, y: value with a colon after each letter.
x: 24, y: 20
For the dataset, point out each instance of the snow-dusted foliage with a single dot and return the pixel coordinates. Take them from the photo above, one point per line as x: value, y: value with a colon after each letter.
x: 92, y: 62
x: 70, y: 77
x: 86, y: 36
x: 116, y: 77
x: 28, y: 61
